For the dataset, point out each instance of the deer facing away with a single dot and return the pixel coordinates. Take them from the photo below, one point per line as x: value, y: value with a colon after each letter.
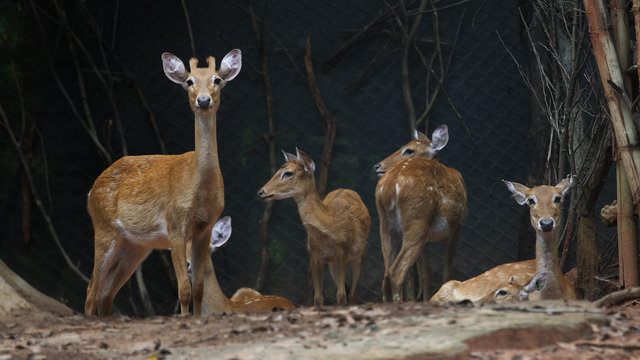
x: 337, y: 226
x: 545, y: 210
x: 140, y: 203
x: 418, y: 200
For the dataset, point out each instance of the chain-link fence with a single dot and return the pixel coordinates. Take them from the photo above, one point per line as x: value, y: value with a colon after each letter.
x: 362, y: 90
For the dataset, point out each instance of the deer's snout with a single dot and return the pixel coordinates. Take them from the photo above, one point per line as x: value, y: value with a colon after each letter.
x: 377, y: 168
x: 546, y: 225
x: 204, y: 102
x: 263, y: 195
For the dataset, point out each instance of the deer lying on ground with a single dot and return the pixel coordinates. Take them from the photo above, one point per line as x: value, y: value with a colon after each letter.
x: 418, y: 200
x: 501, y: 284
x: 245, y: 293
x: 245, y: 299
x: 337, y: 226
x: 545, y: 210
x: 140, y: 203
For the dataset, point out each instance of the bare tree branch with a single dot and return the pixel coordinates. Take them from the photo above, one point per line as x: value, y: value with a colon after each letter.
x: 189, y: 30
x: 36, y: 197
x: 329, y: 124
x: 269, y: 137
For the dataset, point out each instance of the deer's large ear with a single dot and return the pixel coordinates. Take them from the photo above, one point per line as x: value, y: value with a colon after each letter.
x: 564, y: 185
x: 174, y: 68
x: 309, y: 165
x: 537, y: 283
x: 518, y: 190
x: 230, y: 65
x: 220, y: 233
x: 440, y: 137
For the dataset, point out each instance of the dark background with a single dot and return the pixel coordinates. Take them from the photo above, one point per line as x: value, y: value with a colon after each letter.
x: 487, y: 141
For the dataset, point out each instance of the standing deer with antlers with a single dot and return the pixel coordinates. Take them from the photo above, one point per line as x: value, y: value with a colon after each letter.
x: 337, y: 226
x: 140, y: 203
x: 418, y: 200
x: 545, y: 210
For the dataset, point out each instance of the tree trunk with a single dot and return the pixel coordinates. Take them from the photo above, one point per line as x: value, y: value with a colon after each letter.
x: 587, y: 254
x: 17, y: 294
x: 596, y: 158
x: 627, y: 237
x: 611, y: 73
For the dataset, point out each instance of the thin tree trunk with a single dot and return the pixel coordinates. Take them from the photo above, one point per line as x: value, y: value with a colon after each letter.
x: 329, y: 124
x: 144, y: 294
x: 270, y: 139
x: 407, y: 41
x: 627, y: 243
x: 627, y: 237
x: 587, y: 257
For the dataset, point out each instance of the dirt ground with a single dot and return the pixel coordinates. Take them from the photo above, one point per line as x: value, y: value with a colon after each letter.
x: 400, y: 331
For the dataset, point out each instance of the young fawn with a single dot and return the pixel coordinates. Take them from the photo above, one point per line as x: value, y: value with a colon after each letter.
x: 140, y: 203
x: 418, y: 200
x: 545, y: 210
x: 501, y: 284
x: 245, y: 299
x: 337, y: 226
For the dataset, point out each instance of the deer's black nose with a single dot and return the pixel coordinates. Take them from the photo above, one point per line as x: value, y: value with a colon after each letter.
x: 204, y: 102
x: 376, y: 167
x: 546, y: 225
x: 261, y: 192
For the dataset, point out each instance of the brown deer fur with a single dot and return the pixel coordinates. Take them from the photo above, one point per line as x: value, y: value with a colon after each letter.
x: 500, y: 284
x: 418, y: 200
x: 245, y: 299
x: 141, y: 203
x: 337, y: 226
x: 545, y: 210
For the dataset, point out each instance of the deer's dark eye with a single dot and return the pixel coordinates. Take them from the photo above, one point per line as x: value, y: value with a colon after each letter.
x: 217, y: 81
x: 531, y: 201
x: 557, y: 199
x: 287, y: 174
x: 538, y: 285
x: 189, y: 82
x: 407, y: 151
x: 501, y: 293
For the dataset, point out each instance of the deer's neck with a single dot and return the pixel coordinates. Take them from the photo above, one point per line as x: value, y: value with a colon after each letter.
x: 312, y: 211
x: 208, y: 186
x: 213, y: 300
x: 206, y: 142
x: 546, y: 252
x: 547, y: 264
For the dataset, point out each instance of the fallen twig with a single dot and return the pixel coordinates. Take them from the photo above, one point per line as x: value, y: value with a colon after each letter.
x: 618, y: 297
x: 543, y: 309
x: 626, y: 347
